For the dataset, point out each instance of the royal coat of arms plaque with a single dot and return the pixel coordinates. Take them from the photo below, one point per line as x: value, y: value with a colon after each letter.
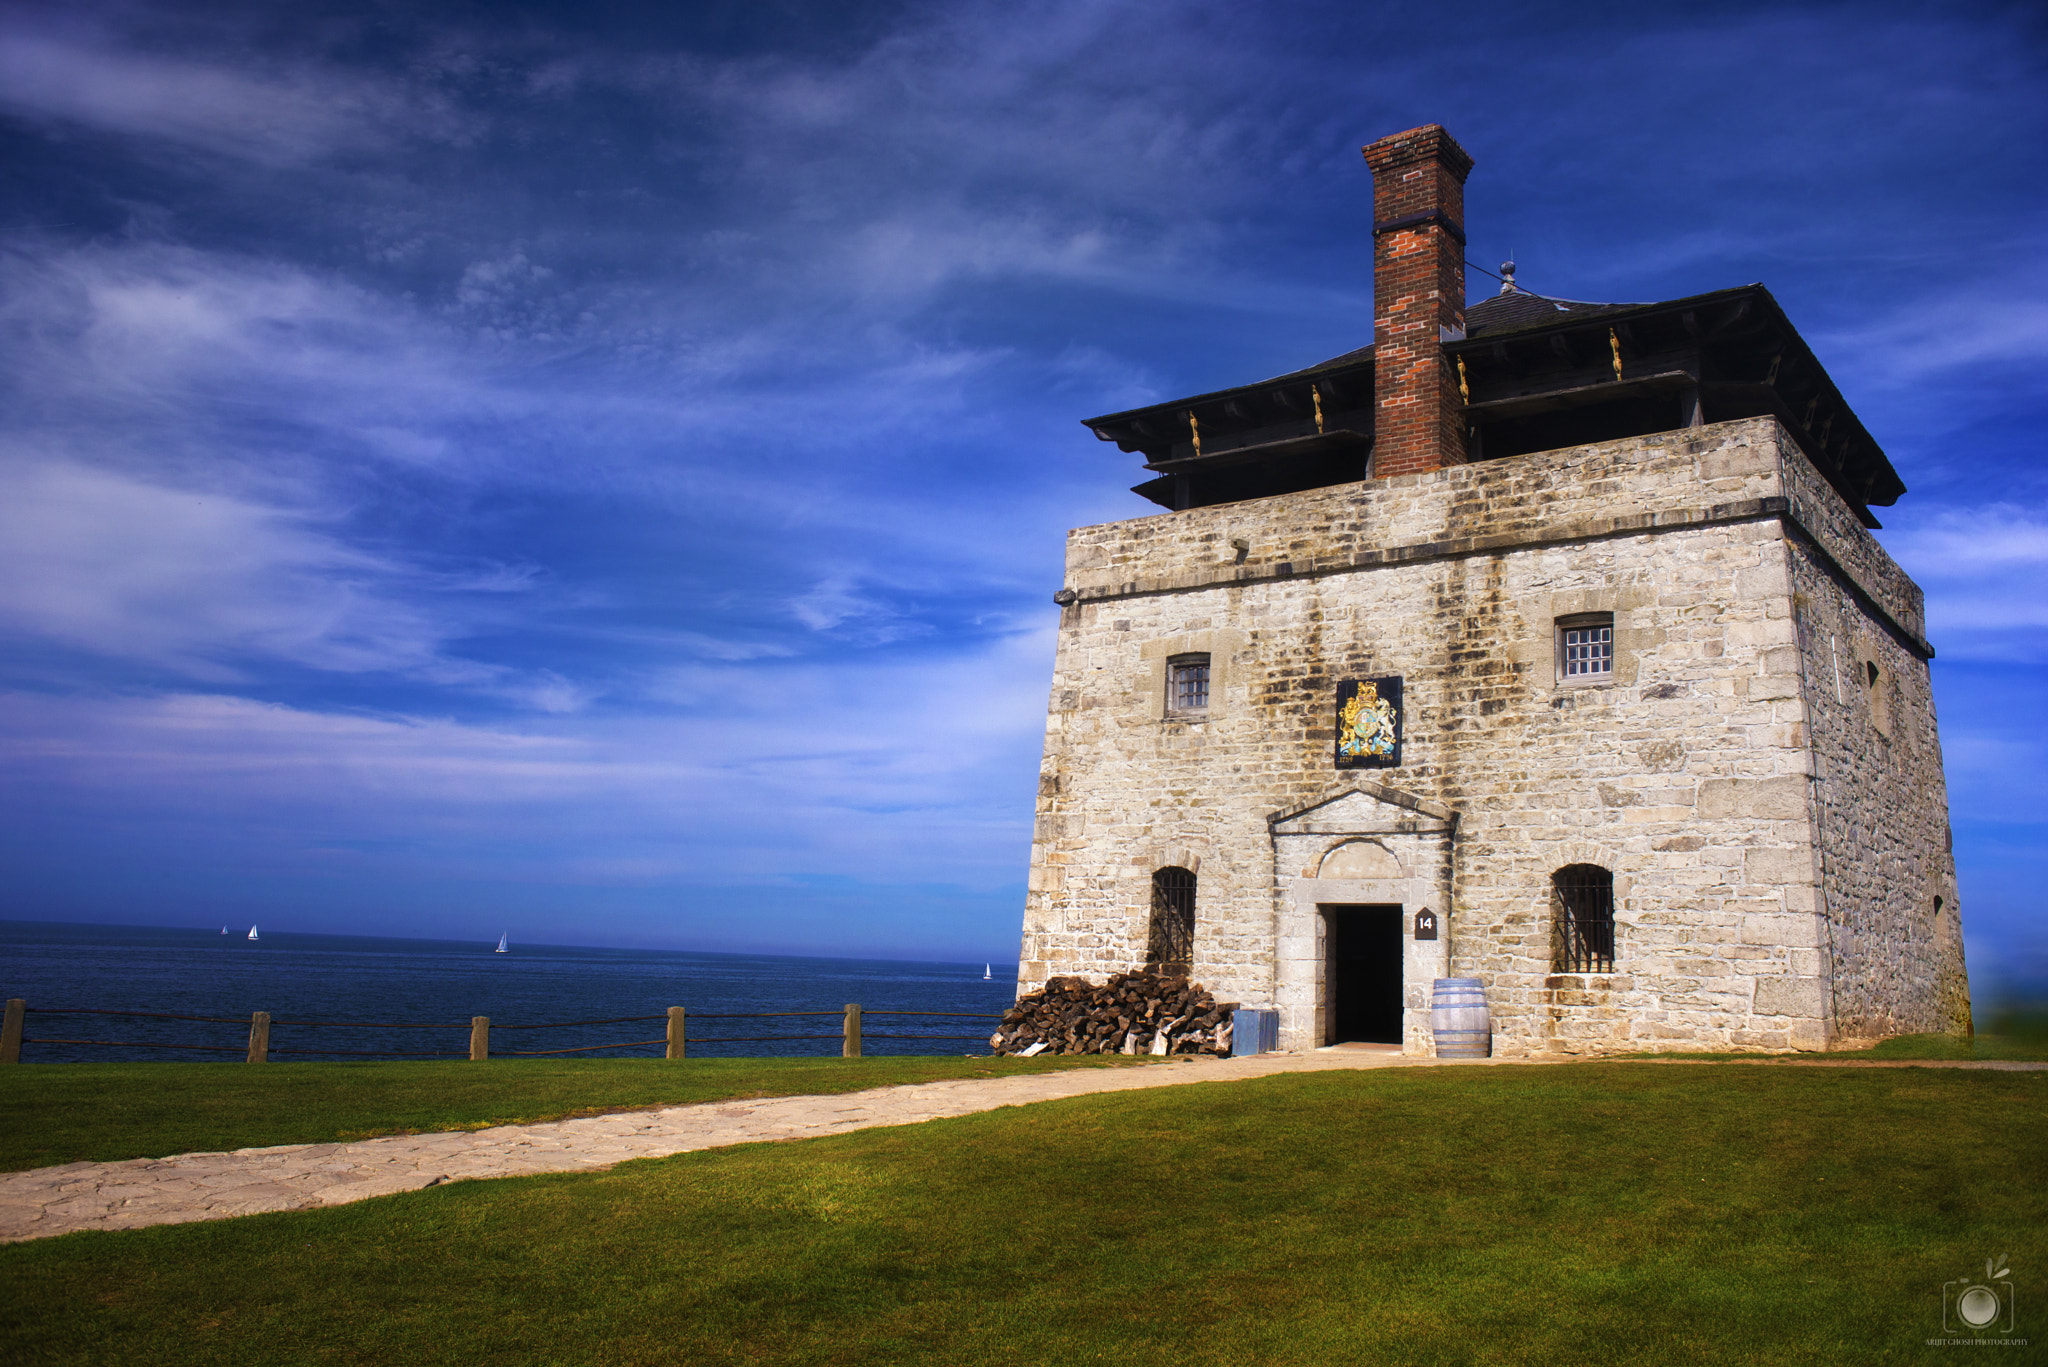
x: 1369, y: 723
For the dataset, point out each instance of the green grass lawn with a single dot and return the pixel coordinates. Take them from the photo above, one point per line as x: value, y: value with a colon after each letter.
x: 1567, y: 1214
x: 67, y: 1112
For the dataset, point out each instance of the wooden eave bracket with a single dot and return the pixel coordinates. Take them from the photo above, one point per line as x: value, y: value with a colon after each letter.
x: 1315, y: 443
x: 1345, y: 386
x: 1834, y: 438
x: 1581, y: 396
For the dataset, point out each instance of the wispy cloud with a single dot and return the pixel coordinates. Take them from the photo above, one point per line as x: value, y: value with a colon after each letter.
x: 750, y: 773
x: 182, y: 358
x: 1994, y: 775
x: 1983, y: 569
x: 1962, y: 325
x: 206, y: 584
x: 289, y: 114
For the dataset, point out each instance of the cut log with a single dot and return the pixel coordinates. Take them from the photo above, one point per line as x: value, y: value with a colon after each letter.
x: 1143, y: 1011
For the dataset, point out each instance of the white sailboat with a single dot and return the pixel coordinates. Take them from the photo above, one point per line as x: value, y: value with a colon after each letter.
x: 501, y: 943
x: 252, y: 932
x: 985, y: 972
x: 223, y: 930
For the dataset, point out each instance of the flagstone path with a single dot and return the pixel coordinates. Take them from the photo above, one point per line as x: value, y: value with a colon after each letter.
x: 213, y: 1186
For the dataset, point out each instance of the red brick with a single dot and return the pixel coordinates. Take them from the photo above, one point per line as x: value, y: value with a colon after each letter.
x: 1418, y: 289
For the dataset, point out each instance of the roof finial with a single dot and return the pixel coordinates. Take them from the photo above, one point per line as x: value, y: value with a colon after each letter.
x: 1507, y: 277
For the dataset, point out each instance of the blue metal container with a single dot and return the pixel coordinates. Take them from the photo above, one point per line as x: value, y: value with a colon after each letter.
x: 1254, y: 1030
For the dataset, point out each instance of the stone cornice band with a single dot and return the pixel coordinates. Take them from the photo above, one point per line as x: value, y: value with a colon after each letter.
x: 1452, y: 548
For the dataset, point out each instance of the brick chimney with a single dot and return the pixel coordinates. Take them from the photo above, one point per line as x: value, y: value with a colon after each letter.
x: 1418, y: 287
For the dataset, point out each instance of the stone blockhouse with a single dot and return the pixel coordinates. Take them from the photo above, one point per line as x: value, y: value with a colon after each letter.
x: 1542, y: 642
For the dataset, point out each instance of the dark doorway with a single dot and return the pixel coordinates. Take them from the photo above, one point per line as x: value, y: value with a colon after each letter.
x: 1362, y: 974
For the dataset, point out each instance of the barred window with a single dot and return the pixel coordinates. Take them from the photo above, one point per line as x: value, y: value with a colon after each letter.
x: 1172, y: 940
x: 1586, y: 647
x: 1585, y: 919
x: 1187, y: 683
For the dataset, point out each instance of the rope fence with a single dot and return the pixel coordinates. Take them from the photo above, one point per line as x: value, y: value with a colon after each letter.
x: 675, y: 1042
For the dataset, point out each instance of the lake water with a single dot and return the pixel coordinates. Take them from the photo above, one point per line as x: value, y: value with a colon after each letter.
x: 302, y: 978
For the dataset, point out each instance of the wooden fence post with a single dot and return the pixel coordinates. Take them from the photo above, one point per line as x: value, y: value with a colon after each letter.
x: 10, y: 1033
x: 678, y: 1043
x: 259, y: 1037
x: 479, y: 1038
x: 851, y: 1049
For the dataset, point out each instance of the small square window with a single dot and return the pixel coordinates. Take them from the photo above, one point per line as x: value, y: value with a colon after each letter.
x: 1187, y: 683
x: 1585, y: 648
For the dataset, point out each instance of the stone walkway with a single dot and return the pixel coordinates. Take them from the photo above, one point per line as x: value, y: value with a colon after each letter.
x: 215, y: 1186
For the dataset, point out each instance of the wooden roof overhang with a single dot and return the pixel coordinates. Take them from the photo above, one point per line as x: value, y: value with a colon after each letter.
x: 1300, y: 430
x: 1710, y: 358
x: 1534, y: 374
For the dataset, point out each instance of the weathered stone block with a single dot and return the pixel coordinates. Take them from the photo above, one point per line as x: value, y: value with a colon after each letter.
x: 1790, y: 997
x: 1791, y: 931
x: 1768, y: 867
x: 1807, y: 1034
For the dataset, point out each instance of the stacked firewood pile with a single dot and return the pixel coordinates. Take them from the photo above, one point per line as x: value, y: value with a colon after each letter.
x: 1142, y: 1012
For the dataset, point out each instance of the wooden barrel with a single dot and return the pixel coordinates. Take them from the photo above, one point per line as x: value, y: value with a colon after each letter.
x: 1457, y: 1013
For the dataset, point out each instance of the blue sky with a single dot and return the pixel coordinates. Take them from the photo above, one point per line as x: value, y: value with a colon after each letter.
x: 601, y: 473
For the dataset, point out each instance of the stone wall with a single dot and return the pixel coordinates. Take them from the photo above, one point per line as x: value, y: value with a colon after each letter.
x: 1892, y: 931
x: 1685, y: 773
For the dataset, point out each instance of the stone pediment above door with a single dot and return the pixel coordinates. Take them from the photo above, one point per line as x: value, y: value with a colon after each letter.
x: 1364, y: 808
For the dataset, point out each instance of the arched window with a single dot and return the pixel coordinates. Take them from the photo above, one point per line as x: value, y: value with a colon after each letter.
x: 1584, y: 942
x: 1171, y: 945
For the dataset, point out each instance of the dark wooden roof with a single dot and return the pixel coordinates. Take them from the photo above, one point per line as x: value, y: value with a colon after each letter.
x: 1735, y: 346
x: 1518, y: 310
x: 1537, y: 374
